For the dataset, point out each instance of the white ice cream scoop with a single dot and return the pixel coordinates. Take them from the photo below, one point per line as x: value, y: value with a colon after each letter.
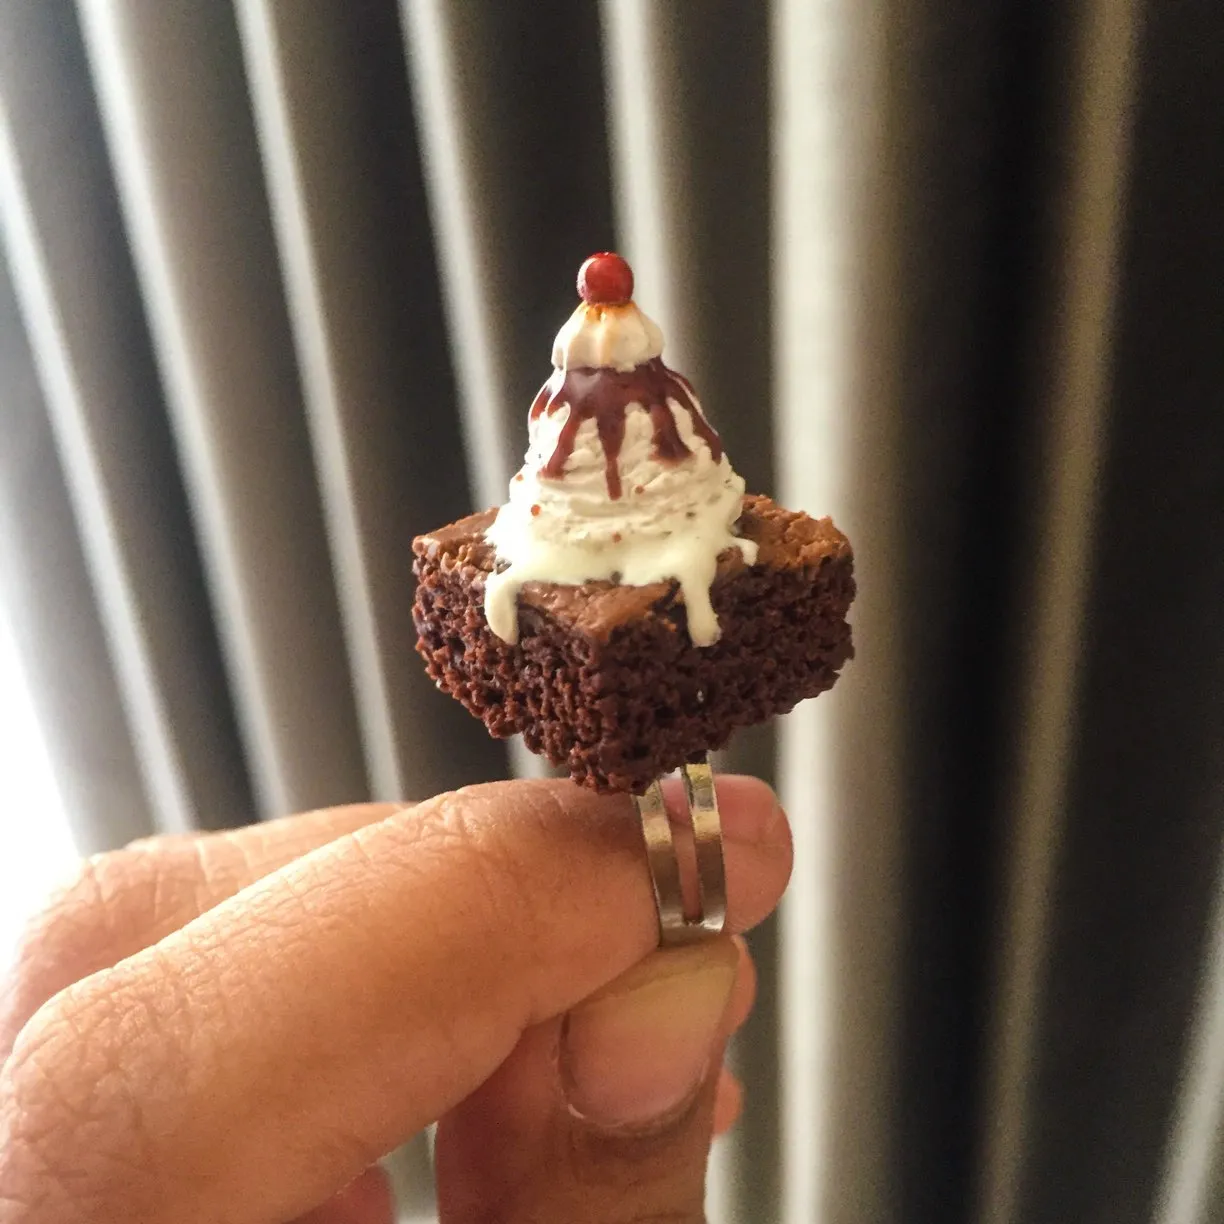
x: 624, y: 478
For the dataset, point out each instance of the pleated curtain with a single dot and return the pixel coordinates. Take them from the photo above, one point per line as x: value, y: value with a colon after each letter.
x: 280, y: 278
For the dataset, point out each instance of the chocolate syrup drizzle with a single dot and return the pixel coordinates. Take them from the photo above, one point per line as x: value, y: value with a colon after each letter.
x: 603, y: 395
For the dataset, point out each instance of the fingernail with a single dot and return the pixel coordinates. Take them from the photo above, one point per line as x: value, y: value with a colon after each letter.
x: 637, y: 1052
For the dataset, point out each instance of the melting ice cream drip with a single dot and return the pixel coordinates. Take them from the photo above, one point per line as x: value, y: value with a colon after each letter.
x: 623, y: 476
x: 605, y: 397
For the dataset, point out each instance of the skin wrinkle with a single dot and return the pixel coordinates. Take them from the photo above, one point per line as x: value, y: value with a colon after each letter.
x: 451, y: 828
x: 33, y: 1115
x: 455, y: 828
x: 207, y: 982
x: 115, y: 1030
x: 468, y: 806
x: 67, y: 941
x: 297, y: 895
x: 65, y: 1184
x: 434, y: 838
x: 118, y: 904
x: 113, y: 878
x: 69, y: 916
x: 490, y: 859
x: 225, y: 862
x: 426, y: 840
x: 209, y: 1004
x: 497, y: 856
x: 404, y: 848
x: 359, y: 915
x: 132, y: 1019
x: 164, y: 900
x: 91, y: 876
x: 42, y: 1186
x: 157, y: 1072
x: 621, y: 847
x: 16, y: 1094
x: 77, y: 1188
x: 213, y: 874
x: 534, y: 899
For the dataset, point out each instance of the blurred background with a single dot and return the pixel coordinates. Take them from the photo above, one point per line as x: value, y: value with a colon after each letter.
x: 280, y: 278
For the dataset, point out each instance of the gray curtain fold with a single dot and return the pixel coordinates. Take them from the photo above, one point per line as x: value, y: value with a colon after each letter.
x: 348, y: 201
x: 83, y: 317
x: 51, y: 612
x: 280, y: 279
x: 174, y: 109
x: 1137, y: 860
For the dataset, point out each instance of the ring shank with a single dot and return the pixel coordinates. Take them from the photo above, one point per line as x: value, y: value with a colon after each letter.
x: 674, y: 927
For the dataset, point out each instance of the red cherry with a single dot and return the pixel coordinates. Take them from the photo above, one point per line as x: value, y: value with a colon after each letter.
x: 605, y: 280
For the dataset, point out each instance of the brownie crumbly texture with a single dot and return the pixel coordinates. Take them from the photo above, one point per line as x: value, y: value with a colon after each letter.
x: 604, y: 680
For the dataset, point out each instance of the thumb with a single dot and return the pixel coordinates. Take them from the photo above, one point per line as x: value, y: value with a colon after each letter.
x: 605, y: 1116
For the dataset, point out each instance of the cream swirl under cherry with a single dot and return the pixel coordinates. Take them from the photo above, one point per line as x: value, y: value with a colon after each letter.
x: 624, y: 478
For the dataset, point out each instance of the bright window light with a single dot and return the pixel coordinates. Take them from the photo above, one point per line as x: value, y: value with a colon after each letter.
x: 36, y: 846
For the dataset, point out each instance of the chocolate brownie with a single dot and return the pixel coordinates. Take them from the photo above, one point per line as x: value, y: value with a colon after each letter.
x: 604, y: 680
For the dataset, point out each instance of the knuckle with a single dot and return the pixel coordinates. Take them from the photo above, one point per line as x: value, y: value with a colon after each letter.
x: 69, y: 938
x: 497, y: 850
x: 115, y: 904
x: 519, y: 874
x: 492, y: 856
x: 58, y: 942
x: 74, y: 1088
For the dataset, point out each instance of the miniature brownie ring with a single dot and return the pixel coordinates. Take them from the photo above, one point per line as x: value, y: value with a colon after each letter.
x: 629, y: 607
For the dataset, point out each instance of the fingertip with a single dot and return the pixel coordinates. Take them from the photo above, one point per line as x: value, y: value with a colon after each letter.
x: 728, y: 1102
x: 743, y: 993
x: 366, y: 1200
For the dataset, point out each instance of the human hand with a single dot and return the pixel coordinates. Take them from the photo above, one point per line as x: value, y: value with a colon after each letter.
x: 233, y: 1027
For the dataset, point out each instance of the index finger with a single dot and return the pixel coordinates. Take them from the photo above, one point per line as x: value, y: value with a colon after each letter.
x: 251, y: 1063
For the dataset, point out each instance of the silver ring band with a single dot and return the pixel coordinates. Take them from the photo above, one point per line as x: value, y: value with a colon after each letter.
x: 674, y: 926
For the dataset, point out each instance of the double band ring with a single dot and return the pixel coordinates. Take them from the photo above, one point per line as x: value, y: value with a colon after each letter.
x: 675, y: 925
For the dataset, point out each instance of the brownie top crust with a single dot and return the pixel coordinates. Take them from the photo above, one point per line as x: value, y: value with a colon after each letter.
x: 786, y: 540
